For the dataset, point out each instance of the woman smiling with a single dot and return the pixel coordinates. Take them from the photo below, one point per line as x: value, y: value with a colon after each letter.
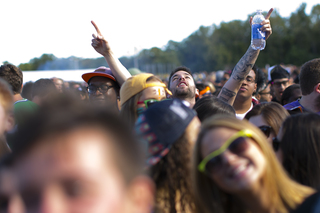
x: 235, y: 170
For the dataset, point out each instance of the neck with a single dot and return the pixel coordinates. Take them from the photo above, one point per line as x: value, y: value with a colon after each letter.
x: 17, y: 97
x: 310, y: 103
x: 256, y: 201
x: 191, y: 101
x: 242, y: 105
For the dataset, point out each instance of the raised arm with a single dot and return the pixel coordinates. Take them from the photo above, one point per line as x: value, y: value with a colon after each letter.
x: 102, y: 46
x: 230, y: 89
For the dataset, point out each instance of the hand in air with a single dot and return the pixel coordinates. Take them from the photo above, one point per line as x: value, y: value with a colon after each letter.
x: 99, y: 43
x: 266, y: 26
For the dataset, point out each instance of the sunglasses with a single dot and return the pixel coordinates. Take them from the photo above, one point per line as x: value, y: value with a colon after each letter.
x: 236, y: 144
x: 265, y: 129
x: 148, y: 102
x: 275, y: 144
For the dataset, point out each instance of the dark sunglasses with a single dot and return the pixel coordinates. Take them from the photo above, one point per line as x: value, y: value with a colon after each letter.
x: 236, y: 144
x: 275, y: 144
x: 266, y: 130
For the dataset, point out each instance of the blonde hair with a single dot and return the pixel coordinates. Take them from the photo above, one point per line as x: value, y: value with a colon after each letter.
x: 284, y: 193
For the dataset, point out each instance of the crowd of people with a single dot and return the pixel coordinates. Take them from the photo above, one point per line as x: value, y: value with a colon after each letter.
x: 120, y: 143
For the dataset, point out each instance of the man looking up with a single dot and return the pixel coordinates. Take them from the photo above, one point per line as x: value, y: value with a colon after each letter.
x: 182, y: 85
x: 279, y: 82
x: 310, y: 88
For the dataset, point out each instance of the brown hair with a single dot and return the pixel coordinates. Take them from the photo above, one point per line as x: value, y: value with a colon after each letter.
x: 273, y: 113
x: 284, y: 194
x: 12, y: 75
x: 309, y: 76
x: 172, y: 178
x: 300, y: 145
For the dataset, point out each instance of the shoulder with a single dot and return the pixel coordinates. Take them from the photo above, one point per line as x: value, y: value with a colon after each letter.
x: 292, y: 105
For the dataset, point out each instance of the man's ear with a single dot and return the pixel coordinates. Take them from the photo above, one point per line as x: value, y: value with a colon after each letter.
x: 317, y: 88
x: 141, y: 195
x: 197, y: 92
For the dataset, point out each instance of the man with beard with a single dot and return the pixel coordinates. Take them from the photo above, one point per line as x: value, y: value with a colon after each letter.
x: 310, y: 88
x: 182, y: 85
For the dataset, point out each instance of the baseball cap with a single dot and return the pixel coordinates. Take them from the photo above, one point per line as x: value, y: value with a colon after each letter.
x: 101, y: 71
x: 161, y: 125
x: 136, y: 84
x: 278, y: 72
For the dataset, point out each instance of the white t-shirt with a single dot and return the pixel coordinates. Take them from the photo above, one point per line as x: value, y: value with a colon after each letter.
x: 241, y: 116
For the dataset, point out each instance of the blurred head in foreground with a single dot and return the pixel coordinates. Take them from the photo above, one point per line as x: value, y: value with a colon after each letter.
x: 72, y: 157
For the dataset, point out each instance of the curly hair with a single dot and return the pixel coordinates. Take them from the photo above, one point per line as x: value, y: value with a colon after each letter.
x: 172, y: 178
x: 12, y: 75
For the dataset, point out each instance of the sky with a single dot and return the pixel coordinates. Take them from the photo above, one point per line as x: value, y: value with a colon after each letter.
x: 30, y: 28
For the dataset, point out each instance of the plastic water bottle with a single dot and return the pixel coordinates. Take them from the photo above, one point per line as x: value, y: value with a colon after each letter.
x: 258, y: 38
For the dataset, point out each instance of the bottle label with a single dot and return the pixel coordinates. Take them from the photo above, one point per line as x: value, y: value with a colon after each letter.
x: 257, y: 33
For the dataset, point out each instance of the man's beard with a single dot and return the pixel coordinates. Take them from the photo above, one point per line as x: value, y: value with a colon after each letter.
x: 184, y: 94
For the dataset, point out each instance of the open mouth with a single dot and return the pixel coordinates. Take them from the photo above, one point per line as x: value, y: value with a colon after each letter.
x: 182, y: 84
x: 239, y: 171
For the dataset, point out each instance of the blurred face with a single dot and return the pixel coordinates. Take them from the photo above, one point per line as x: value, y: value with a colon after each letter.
x: 6, y: 121
x: 59, y: 85
x: 9, y: 198
x: 296, y: 94
x: 237, y: 172
x: 182, y: 85
x: 259, y: 122
x: 102, y: 90
x: 278, y: 86
x: 151, y: 95
x: 74, y: 173
x: 265, y: 95
x: 248, y: 87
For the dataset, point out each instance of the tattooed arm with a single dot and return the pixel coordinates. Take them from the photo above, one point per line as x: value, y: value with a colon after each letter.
x: 230, y: 89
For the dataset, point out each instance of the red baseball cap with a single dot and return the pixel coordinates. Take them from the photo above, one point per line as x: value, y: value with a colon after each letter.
x: 101, y: 71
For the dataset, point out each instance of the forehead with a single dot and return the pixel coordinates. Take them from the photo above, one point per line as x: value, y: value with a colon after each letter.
x: 258, y: 120
x: 181, y: 73
x: 251, y: 74
x: 80, y: 153
x: 100, y: 80
x: 215, y: 138
x: 280, y: 80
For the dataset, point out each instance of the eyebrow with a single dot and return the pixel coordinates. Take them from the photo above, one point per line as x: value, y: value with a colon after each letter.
x: 186, y: 73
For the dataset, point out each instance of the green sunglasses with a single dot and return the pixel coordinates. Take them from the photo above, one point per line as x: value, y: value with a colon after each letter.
x: 236, y: 144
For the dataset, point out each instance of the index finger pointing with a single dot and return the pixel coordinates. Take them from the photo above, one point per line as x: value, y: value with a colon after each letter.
x: 96, y: 27
x: 269, y: 14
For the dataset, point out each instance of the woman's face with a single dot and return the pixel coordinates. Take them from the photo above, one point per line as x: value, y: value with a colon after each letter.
x: 259, y: 121
x: 237, y: 172
x: 156, y: 93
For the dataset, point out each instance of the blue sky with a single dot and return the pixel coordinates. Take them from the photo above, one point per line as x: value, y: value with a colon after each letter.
x: 30, y: 28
